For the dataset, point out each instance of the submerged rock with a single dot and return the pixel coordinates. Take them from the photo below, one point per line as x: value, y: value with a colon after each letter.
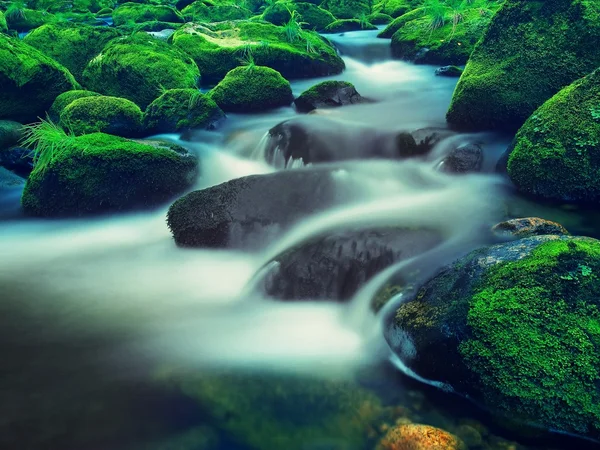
x: 328, y: 94
x: 449, y: 71
x: 335, y: 266
x: 317, y: 139
x: 515, y: 327
x: 98, y: 172
x: 529, y: 52
x: 527, y: 227
x: 123, y: 69
x: 28, y: 94
x: 556, y: 153
x: 218, y: 48
x: 252, y: 89
x: 252, y: 210
x: 465, y: 158
x: 419, y: 437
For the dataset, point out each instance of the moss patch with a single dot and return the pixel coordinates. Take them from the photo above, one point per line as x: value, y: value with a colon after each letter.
x: 128, y: 13
x: 344, y: 25
x: 181, y: 109
x: 72, y: 45
x: 24, y: 19
x: 202, y: 11
x: 3, y: 24
x: 530, y: 51
x: 64, y: 100
x: 138, y: 67
x: 557, y: 151
x: 347, y: 9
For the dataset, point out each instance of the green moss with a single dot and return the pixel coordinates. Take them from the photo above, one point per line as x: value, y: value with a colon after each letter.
x: 446, y: 36
x: 200, y: 11
x: 98, y: 172
x: 379, y: 19
x: 181, y: 109
x: 64, y: 99
x: 322, y: 94
x: 530, y: 51
x: 347, y: 9
x: 557, y: 151
x: 251, y: 89
x: 3, y: 24
x: 138, y: 13
x: 95, y: 6
x: 72, y: 45
x: 93, y: 114
x: 219, y: 48
x: 30, y: 81
x: 138, y: 67
x: 23, y: 19
x: 395, y: 8
x: 310, y: 16
x: 342, y: 26
x: 266, y: 411
x: 10, y: 133
x: 535, y: 342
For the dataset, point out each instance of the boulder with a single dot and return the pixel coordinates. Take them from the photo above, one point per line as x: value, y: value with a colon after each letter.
x: 30, y: 81
x: 102, y: 114
x: 97, y: 173
x: 181, y: 110
x: 252, y: 89
x: 527, y: 227
x: 128, y: 13
x: 311, y: 16
x: 250, y: 211
x: 419, y: 437
x: 556, y: 153
x: 122, y: 69
x: 347, y: 9
x: 335, y: 266
x: 17, y: 159
x: 218, y: 48
x: 73, y: 45
x: 530, y: 51
x: 11, y: 133
x: 313, y: 139
x: 25, y: 19
x: 514, y: 327
x: 201, y: 11
x: 64, y: 100
x: 449, y: 71
x: 328, y: 94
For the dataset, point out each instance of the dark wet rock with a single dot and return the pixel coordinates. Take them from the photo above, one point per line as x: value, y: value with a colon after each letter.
x: 250, y: 211
x: 18, y: 160
x: 9, y: 179
x: 449, y: 71
x: 318, y: 139
x: 527, y: 227
x: 483, y: 327
x: 10, y: 133
x: 335, y: 266
x: 427, y: 138
x: 328, y: 94
x: 465, y: 158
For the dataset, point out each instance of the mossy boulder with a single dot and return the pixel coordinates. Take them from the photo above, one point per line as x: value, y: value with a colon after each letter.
x: 379, y: 18
x: 252, y: 89
x: 420, y: 39
x: 395, y: 8
x: 182, y: 109
x: 267, y: 411
x: 328, y: 94
x: 94, y: 114
x: 530, y: 51
x: 64, y: 99
x: 25, y: 19
x: 3, y: 24
x: 138, y: 67
x: 30, y: 81
x: 201, y: 11
x: 72, y: 45
x: 347, y: 9
x: 345, y: 25
x: 556, y: 153
x: 97, y: 173
x: 10, y: 133
x: 516, y: 328
x: 218, y: 48
x: 137, y: 13
x: 311, y: 16
x: 95, y: 6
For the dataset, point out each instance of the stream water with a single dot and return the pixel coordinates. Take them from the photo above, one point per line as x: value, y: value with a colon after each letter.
x: 93, y: 309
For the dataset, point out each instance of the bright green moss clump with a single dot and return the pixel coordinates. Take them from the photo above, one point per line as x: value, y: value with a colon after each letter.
x: 3, y: 24
x: 72, y: 45
x: 310, y: 16
x: 342, y: 26
x: 251, y: 89
x: 218, y: 48
x: 396, y: 8
x: 138, y: 67
x: 535, y: 342
x: 201, y: 11
x: 64, y: 100
x: 347, y: 9
x: 112, y: 115
x: 556, y: 153
x: 138, y: 13
x: 30, y: 81
x: 182, y: 109
x: 530, y: 51
x: 98, y: 172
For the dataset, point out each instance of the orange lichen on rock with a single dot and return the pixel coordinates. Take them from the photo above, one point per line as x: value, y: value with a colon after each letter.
x: 419, y: 437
